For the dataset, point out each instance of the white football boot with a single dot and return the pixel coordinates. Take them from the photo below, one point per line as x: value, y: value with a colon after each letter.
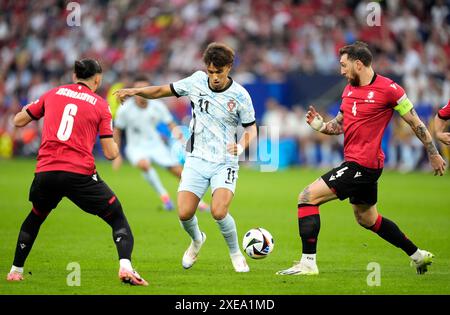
x: 423, y: 262
x: 191, y: 254
x: 239, y: 262
x: 302, y: 268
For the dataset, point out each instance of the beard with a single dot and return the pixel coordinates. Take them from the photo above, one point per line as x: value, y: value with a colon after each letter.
x: 354, y: 80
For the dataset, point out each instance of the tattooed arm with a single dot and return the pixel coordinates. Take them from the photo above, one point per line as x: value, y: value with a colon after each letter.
x: 421, y: 131
x: 333, y: 127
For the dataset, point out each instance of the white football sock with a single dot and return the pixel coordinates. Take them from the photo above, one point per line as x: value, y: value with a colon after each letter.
x: 309, y: 258
x: 417, y: 255
x: 228, y: 229
x: 191, y: 227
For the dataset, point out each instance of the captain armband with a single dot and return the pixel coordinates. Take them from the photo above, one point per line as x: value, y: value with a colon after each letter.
x: 404, y: 105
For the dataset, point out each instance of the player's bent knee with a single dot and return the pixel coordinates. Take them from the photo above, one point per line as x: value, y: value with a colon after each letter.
x: 144, y: 165
x: 185, y: 213
x: 187, y: 205
x: 301, y: 198
x: 362, y: 223
x: 305, y: 198
x: 40, y: 213
x: 219, y: 215
x: 219, y: 212
x: 366, y: 216
x: 185, y: 216
x: 365, y: 222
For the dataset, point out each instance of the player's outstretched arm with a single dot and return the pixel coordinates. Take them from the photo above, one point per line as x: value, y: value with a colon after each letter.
x: 333, y: 127
x: 421, y: 131
x: 22, y: 118
x: 439, y: 128
x: 153, y: 91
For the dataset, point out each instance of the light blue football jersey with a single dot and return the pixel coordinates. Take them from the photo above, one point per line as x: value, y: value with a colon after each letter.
x: 140, y: 123
x: 216, y: 116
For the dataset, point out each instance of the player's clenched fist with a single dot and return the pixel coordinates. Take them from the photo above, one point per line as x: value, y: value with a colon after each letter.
x: 314, y: 119
x: 123, y: 94
x: 235, y: 149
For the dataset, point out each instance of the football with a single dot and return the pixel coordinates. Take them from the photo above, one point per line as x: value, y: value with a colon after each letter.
x: 258, y: 243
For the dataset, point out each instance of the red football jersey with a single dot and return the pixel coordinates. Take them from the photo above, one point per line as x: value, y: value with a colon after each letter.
x: 444, y: 112
x: 367, y: 111
x: 74, y: 115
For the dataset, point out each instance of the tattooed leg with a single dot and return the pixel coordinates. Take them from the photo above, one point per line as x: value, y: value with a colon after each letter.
x: 316, y: 193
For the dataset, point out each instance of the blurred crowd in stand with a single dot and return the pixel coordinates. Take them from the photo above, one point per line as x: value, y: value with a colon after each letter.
x: 272, y: 38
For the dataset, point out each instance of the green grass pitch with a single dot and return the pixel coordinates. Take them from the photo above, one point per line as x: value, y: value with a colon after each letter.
x: 419, y: 203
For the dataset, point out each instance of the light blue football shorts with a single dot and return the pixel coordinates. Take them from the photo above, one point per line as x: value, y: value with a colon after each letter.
x: 199, y: 174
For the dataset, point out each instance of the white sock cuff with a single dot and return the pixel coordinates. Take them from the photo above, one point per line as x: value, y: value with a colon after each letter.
x: 417, y: 255
x: 16, y: 269
x: 310, y: 258
x: 125, y: 263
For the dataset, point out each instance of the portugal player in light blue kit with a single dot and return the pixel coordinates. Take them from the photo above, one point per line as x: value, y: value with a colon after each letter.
x: 219, y: 106
x: 139, y: 118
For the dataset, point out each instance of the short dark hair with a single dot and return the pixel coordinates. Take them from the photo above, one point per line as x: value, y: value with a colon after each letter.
x: 358, y: 51
x: 86, y: 68
x: 218, y: 54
